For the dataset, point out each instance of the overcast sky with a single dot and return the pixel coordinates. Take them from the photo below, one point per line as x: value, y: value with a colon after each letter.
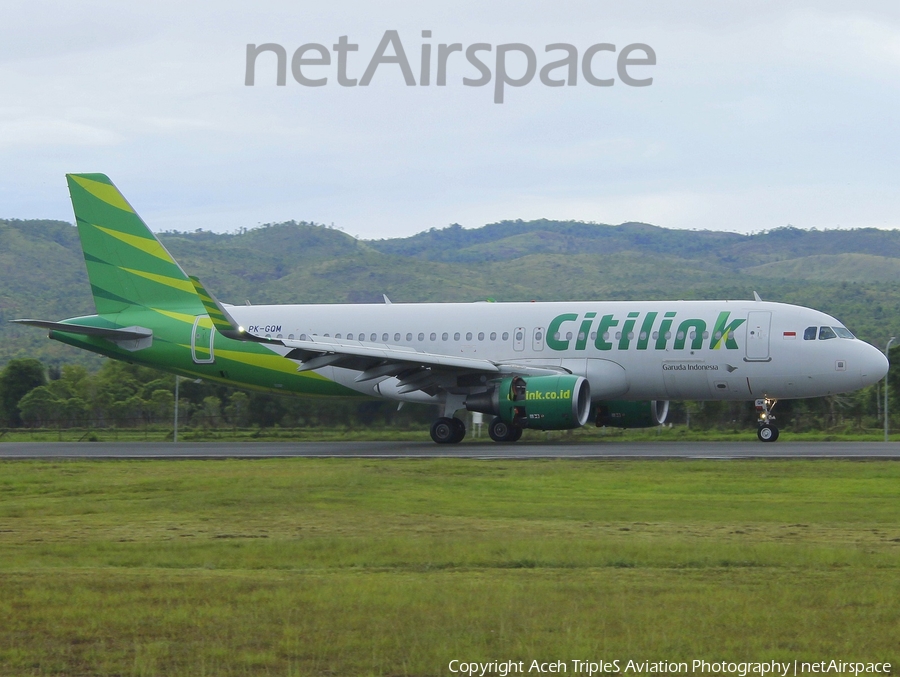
x: 760, y: 114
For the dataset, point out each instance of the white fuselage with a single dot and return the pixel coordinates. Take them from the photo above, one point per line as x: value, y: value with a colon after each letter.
x: 633, y: 350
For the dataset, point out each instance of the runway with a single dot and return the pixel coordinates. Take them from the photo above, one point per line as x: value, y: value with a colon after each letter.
x: 474, y: 450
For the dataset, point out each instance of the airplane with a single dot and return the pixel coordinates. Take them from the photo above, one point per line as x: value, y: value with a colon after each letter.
x: 545, y: 366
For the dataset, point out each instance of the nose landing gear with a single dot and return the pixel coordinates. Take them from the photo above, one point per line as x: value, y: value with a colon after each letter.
x: 767, y: 431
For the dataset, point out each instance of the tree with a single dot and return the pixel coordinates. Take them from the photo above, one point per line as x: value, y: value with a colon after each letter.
x: 237, y: 410
x: 161, y: 406
x: 210, y: 412
x: 39, y: 407
x: 74, y: 411
x: 18, y: 379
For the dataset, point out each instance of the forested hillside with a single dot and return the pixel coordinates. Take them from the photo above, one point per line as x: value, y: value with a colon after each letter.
x: 853, y: 274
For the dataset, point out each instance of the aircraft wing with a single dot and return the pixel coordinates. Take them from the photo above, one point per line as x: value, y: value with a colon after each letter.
x: 307, y: 351
x: 416, y: 370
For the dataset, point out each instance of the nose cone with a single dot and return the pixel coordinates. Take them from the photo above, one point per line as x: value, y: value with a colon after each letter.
x: 873, y: 365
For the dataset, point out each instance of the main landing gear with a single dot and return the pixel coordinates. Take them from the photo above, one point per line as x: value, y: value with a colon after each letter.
x: 501, y: 431
x: 766, y: 432
x: 450, y: 430
x: 447, y: 430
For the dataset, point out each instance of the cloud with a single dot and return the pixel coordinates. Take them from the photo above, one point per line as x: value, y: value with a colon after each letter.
x: 761, y: 113
x: 34, y: 132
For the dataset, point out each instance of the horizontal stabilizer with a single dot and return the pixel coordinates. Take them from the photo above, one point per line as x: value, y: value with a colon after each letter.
x: 123, y: 334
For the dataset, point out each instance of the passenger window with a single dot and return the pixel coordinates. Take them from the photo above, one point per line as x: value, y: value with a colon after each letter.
x: 396, y: 337
x: 349, y: 337
x: 505, y: 336
x: 468, y: 336
x: 456, y: 336
x: 373, y: 337
x: 826, y: 333
x: 409, y: 337
x: 481, y: 336
x: 445, y: 336
x: 809, y: 334
x: 493, y: 336
x: 421, y: 336
x: 384, y: 338
x: 433, y: 337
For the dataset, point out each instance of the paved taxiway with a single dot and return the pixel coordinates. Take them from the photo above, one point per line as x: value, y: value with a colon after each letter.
x: 484, y: 450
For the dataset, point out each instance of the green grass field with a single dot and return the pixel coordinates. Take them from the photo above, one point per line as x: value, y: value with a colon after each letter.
x: 358, y: 567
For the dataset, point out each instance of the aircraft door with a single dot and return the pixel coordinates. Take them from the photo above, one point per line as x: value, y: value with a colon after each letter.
x: 758, y: 325
x: 202, y: 337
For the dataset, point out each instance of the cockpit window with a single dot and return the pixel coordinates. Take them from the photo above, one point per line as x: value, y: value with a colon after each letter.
x: 810, y: 333
x: 843, y: 332
x: 826, y: 333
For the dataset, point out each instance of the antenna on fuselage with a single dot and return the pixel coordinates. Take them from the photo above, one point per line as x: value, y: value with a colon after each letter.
x: 756, y: 297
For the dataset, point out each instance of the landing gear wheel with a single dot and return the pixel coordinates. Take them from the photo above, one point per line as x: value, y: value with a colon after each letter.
x: 444, y: 431
x: 459, y: 430
x: 766, y: 432
x: 501, y: 431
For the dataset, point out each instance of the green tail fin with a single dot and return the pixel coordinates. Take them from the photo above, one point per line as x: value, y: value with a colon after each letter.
x: 222, y: 320
x: 126, y: 264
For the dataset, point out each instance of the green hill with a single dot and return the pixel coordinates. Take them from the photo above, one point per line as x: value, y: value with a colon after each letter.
x: 828, y: 267
x: 854, y: 275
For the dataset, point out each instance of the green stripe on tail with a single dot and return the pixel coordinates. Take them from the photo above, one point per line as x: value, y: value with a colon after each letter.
x: 221, y: 318
x: 126, y: 264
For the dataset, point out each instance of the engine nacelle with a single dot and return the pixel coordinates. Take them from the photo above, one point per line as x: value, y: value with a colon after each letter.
x: 622, y: 414
x: 541, y: 402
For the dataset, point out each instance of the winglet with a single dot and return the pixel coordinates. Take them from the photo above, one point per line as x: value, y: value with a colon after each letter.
x: 222, y: 320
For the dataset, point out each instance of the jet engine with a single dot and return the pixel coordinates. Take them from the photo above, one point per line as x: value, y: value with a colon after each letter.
x: 541, y: 402
x: 622, y: 414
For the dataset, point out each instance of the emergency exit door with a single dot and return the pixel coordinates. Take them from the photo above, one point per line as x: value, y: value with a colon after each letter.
x: 202, y: 338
